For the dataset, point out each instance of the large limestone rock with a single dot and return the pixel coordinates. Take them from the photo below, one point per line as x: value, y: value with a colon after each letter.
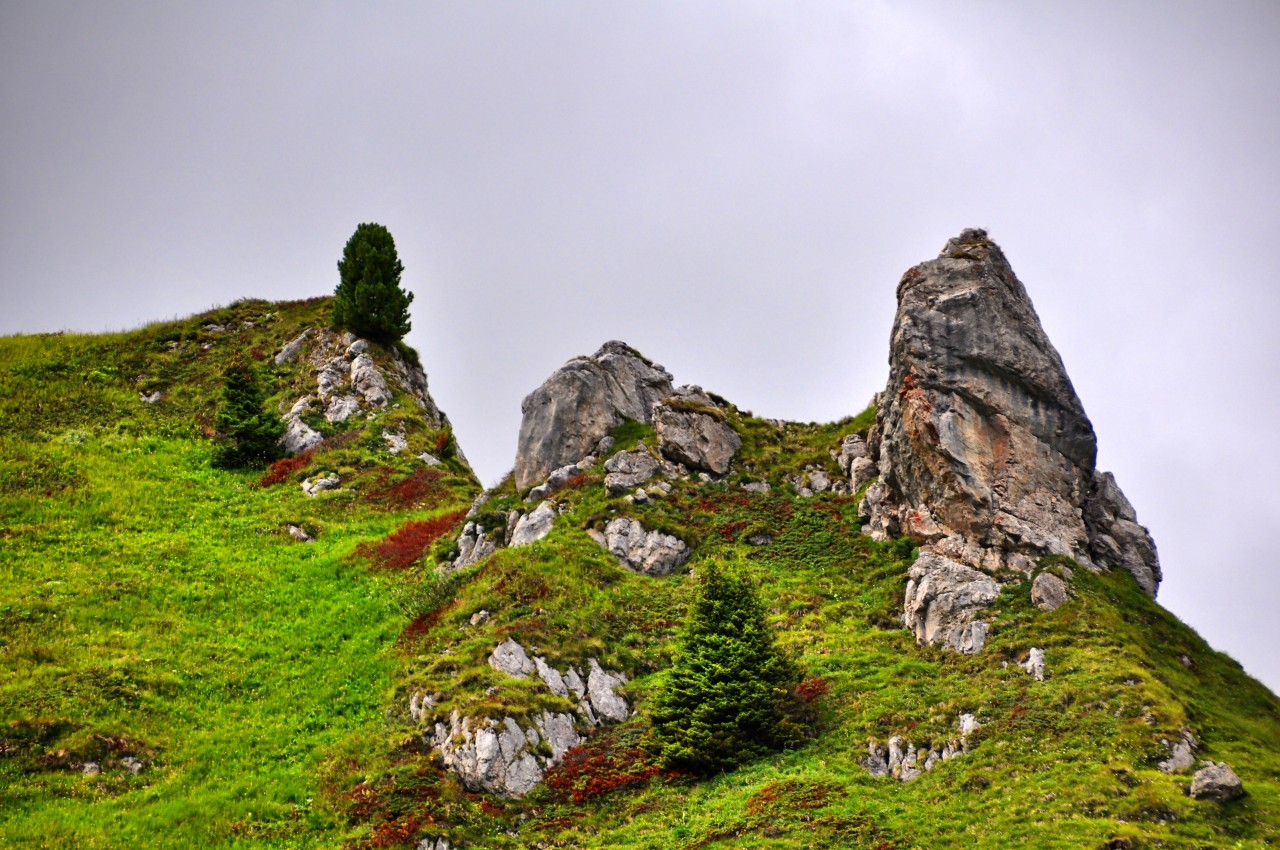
x: 576, y: 407
x: 984, y: 450
x: 692, y: 430
x: 501, y: 757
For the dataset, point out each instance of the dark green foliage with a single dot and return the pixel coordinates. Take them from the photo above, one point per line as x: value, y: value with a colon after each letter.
x: 726, y: 700
x: 369, y: 300
x: 251, y: 433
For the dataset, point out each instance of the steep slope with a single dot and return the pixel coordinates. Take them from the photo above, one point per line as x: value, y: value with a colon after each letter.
x: 183, y: 645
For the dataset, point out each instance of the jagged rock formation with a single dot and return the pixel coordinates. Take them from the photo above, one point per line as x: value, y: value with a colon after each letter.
x: 350, y: 382
x: 942, y: 602
x: 565, y: 418
x: 985, y: 454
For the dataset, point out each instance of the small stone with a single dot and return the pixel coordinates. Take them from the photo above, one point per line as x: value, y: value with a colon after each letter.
x: 151, y: 398
x: 429, y: 459
x: 298, y: 534
x: 132, y: 765
x: 315, y: 486
x: 756, y: 486
x: 91, y: 768
x: 481, y: 616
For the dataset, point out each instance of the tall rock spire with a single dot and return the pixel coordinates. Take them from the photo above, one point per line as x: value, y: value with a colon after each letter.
x: 986, y: 455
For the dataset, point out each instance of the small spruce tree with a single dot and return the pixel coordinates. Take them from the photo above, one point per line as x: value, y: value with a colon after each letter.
x: 369, y: 300
x: 728, y: 697
x: 251, y: 433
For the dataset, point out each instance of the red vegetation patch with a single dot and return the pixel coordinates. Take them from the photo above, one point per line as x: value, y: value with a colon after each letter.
x: 812, y: 689
x: 406, y: 544
x: 284, y: 469
x: 601, y: 766
x: 730, y: 530
x: 421, y: 485
x: 781, y: 798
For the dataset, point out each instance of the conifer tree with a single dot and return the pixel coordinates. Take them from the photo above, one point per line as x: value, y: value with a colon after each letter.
x: 369, y: 300
x: 251, y: 432
x: 727, y: 698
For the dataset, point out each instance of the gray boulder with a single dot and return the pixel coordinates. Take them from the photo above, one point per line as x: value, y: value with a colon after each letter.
x: 979, y: 434
x: 474, y: 545
x: 509, y: 657
x: 626, y: 470
x: 341, y: 408
x: 600, y: 689
x: 566, y: 417
x: 943, y: 600
x: 1048, y: 592
x: 535, y: 525
x: 1216, y: 782
x: 861, y: 470
x: 642, y: 550
x: 501, y: 757
x: 695, y: 433
x: 1115, y: 537
x: 852, y: 447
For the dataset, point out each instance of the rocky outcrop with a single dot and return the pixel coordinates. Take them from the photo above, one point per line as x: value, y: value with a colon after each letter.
x: 943, y: 601
x: 1181, y: 754
x: 980, y: 436
x: 580, y: 403
x: 642, y: 550
x: 502, y: 756
x: 694, y: 431
x: 984, y: 451
x: 900, y: 759
x: 533, y: 526
x: 474, y: 545
x: 320, y: 483
x: 1217, y: 782
x: 626, y: 470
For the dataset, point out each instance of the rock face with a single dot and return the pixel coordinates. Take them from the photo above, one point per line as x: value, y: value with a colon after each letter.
x: 1216, y: 782
x: 692, y: 430
x: 983, y: 448
x: 575, y: 408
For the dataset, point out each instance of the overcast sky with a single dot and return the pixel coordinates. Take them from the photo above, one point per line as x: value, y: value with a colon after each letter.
x: 734, y: 188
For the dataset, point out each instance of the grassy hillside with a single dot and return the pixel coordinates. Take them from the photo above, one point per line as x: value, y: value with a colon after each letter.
x: 156, y: 609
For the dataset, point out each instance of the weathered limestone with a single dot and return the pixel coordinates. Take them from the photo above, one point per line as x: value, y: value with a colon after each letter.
x: 565, y: 418
x: 903, y: 762
x: 501, y: 757
x: 693, y: 430
x: 943, y: 600
x: 642, y: 550
x: 1181, y: 754
x: 1034, y: 665
x: 980, y: 436
x: 626, y: 470
x: 534, y: 526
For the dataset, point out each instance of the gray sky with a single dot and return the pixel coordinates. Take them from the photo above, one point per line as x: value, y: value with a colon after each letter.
x: 734, y: 188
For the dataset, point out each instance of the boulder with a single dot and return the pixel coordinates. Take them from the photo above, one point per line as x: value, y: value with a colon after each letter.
x: 852, y: 447
x: 626, y: 470
x: 607, y: 704
x: 1048, y: 592
x: 642, y: 550
x: 474, y: 545
x: 1216, y: 782
x: 943, y: 600
x: 575, y: 408
x: 500, y: 757
x: 696, y: 433
x: 534, y: 526
x: 341, y: 408
x: 861, y: 470
x: 980, y: 431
